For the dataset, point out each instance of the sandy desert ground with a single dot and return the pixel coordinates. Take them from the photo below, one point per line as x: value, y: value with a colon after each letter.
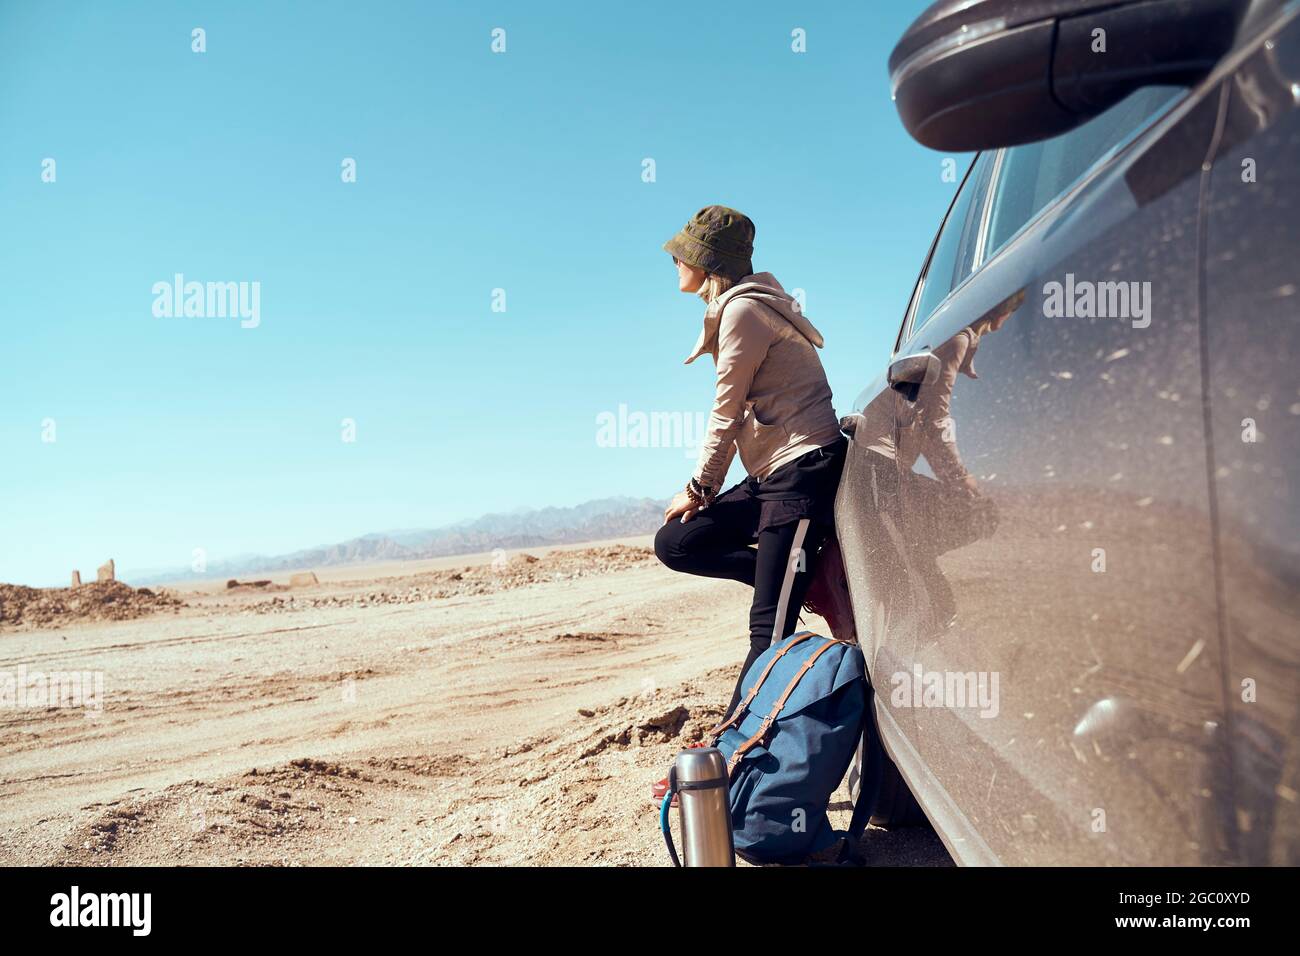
x: 506, y: 710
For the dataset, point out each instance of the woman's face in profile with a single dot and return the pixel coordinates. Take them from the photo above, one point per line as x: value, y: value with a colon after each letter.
x: 689, y: 278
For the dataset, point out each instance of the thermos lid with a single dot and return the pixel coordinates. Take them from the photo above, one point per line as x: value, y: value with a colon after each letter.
x: 700, y: 764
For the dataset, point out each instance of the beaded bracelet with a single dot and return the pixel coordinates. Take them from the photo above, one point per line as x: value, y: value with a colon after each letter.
x: 698, y: 494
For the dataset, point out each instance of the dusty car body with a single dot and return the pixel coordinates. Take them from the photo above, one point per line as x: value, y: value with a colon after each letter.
x: 1068, y: 515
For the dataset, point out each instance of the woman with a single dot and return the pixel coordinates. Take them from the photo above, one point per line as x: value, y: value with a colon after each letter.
x: 772, y: 404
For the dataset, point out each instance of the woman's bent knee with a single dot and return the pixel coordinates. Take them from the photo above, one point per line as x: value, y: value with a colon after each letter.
x: 668, y: 546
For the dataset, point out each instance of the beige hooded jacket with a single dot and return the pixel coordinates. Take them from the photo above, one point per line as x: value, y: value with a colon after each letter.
x: 772, y: 402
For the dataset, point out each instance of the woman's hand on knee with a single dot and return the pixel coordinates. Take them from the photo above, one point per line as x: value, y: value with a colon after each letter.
x: 681, y: 505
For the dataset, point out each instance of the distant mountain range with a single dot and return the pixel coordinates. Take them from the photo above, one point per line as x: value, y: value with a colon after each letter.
x: 590, y: 521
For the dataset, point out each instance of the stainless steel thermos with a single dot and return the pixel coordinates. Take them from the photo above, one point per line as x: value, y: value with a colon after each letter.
x: 701, y: 782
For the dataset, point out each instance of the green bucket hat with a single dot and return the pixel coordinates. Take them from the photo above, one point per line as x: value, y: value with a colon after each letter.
x: 718, y: 240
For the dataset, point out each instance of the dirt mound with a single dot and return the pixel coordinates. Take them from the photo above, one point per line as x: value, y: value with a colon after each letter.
x: 524, y: 806
x: 22, y: 606
x: 579, y: 562
x: 258, y: 818
x: 517, y: 571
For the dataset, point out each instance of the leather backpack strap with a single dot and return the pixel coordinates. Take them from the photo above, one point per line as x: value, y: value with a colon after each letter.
x: 770, y: 719
x: 734, y: 718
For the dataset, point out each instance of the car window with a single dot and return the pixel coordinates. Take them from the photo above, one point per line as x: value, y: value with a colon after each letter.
x: 953, y: 254
x: 1031, y: 176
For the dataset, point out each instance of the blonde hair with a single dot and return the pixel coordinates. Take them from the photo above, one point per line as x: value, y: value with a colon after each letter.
x: 713, y: 286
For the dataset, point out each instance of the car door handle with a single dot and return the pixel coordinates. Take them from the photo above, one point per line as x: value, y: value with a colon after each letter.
x: 919, y: 368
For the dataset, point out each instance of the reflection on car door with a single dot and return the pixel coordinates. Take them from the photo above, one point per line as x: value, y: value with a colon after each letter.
x: 1062, y: 664
x: 867, y: 506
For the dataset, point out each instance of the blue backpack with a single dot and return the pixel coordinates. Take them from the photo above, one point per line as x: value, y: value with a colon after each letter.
x: 789, y: 743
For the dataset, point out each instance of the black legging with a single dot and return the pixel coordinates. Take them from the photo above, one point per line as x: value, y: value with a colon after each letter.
x: 716, y: 544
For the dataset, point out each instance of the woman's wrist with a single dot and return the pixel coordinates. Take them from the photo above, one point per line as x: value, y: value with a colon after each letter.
x: 699, y: 494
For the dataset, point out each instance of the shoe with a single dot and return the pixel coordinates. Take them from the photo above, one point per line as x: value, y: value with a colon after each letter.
x: 657, y: 793
x: 661, y: 787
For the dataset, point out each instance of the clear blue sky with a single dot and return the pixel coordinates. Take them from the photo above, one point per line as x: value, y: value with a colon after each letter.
x: 475, y: 171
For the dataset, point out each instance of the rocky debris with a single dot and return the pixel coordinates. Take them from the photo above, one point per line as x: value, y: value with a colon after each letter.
x: 644, y: 729
x: 106, y: 572
x: 76, y: 579
x: 327, y: 768
x: 232, y: 584
x: 21, y: 606
x: 101, y: 835
x: 260, y: 815
x: 304, y: 579
x: 519, y: 570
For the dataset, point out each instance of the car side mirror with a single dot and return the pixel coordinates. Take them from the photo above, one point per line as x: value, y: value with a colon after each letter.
x: 909, y: 373
x: 983, y: 74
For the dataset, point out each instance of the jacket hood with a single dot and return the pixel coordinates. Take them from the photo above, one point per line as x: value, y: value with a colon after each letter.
x: 763, y: 287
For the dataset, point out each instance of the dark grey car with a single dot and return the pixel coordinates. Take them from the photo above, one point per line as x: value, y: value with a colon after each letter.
x: 1068, y: 514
